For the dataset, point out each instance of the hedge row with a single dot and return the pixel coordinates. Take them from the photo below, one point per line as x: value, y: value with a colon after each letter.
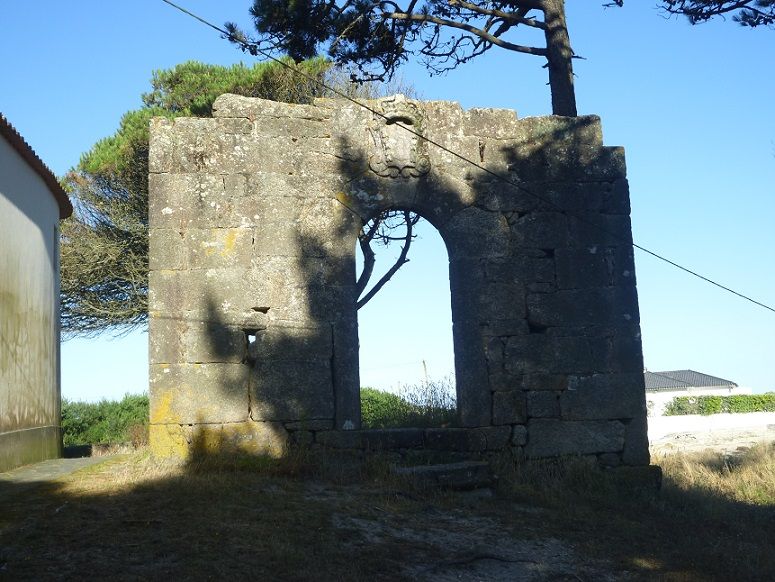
x: 105, y: 422
x: 717, y: 404
x: 126, y: 421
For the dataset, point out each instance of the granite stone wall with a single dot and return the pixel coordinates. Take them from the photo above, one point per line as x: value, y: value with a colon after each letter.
x: 254, y: 216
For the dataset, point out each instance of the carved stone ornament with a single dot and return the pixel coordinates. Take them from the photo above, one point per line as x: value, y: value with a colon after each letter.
x: 396, y: 152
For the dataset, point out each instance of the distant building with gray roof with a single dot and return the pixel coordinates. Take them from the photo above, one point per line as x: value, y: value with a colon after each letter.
x: 662, y: 387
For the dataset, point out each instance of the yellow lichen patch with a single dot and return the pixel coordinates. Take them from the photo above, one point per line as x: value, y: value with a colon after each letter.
x: 343, y: 198
x: 229, y: 242
x: 168, y: 440
x: 161, y: 409
x: 256, y: 438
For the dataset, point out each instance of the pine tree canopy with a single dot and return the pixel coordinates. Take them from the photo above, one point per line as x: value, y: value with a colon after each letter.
x: 104, y: 250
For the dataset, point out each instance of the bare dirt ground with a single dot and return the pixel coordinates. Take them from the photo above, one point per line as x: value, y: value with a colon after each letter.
x: 131, y: 518
x: 727, y: 441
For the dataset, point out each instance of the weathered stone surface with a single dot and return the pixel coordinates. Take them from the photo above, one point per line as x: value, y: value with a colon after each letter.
x: 474, y: 233
x: 604, y: 396
x: 252, y: 438
x: 495, y: 437
x: 340, y: 439
x: 455, y: 439
x: 459, y: 476
x: 598, y: 306
x: 549, y: 438
x: 203, y: 440
x: 392, y: 438
x: 254, y: 216
x: 541, y: 353
x: 543, y: 404
x: 291, y: 390
x: 636, y: 442
x: 301, y: 344
x: 508, y: 407
x: 519, y: 435
x: 198, y: 393
x: 310, y: 425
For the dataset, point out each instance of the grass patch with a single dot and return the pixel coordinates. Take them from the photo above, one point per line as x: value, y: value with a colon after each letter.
x: 712, y: 518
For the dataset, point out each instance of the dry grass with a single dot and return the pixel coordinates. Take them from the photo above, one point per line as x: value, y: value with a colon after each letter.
x: 747, y: 478
x: 304, y: 518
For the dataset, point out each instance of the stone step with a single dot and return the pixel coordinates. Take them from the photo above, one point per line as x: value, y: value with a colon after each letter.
x: 465, y: 475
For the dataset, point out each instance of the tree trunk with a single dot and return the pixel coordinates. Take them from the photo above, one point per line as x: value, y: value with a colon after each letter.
x: 559, y: 55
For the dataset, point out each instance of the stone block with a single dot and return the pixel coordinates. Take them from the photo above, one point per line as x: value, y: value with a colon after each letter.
x: 291, y: 390
x: 301, y: 438
x: 636, y: 442
x: 161, y: 145
x: 167, y: 249
x: 165, y: 337
x: 539, y: 230
x: 582, y: 268
x: 302, y: 344
x: 340, y: 439
x: 540, y: 353
x: 604, y: 396
x: 616, y: 197
x: 230, y: 105
x: 198, y: 200
x: 474, y: 400
x: 610, y: 459
x: 474, y: 233
x: 502, y: 381
x: 552, y: 130
x: 553, y: 438
x: 543, y: 404
x: 556, y: 382
x: 496, y: 124
x: 198, y: 393
x: 505, y: 327
x: 522, y: 269
x: 438, y: 198
x: 253, y: 438
x: 209, y: 340
x: 455, y: 439
x: 602, y: 306
x: 170, y: 440
x: 606, y: 230
x: 310, y: 425
x: 457, y: 476
x: 495, y: 437
x: 392, y: 438
x: 508, y: 407
x: 519, y: 435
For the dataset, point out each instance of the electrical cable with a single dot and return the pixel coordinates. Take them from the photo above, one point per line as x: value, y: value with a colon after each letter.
x: 255, y: 50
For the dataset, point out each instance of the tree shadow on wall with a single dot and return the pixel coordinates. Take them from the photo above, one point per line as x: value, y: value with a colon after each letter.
x: 539, y: 242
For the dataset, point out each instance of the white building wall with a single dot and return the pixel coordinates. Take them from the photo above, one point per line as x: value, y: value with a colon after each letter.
x: 29, y: 314
x: 656, y: 402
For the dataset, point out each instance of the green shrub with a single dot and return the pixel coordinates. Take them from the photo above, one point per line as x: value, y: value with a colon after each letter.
x: 429, y: 404
x: 715, y: 404
x: 710, y: 405
x: 105, y: 422
x: 381, y: 409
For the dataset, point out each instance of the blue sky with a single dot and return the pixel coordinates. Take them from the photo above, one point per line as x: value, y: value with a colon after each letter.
x: 691, y: 105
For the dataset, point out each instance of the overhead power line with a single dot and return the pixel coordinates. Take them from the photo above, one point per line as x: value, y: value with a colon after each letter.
x: 255, y: 50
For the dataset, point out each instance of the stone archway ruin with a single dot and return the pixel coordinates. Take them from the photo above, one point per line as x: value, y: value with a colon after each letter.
x: 253, y: 219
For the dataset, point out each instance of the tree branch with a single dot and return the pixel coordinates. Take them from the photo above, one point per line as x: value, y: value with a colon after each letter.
x: 427, y: 18
x: 400, y: 261
x: 513, y: 17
